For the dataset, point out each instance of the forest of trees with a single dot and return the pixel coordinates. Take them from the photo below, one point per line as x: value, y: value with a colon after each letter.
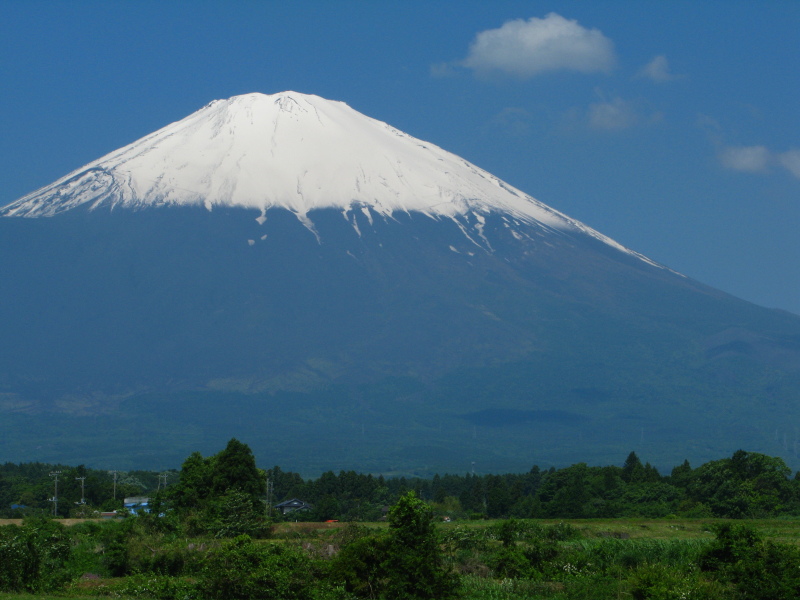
x: 747, y: 484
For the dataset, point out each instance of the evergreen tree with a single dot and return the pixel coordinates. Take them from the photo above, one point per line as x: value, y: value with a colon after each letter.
x: 633, y: 469
x: 414, y: 563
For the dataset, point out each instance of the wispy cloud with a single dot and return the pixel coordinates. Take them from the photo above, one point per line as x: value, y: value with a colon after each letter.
x: 443, y: 69
x: 615, y: 113
x: 759, y: 159
x: 658, y: 70
x: 791, y: 162
x: 750, y: 159
x: 525, y: 49
x: 612, y: 115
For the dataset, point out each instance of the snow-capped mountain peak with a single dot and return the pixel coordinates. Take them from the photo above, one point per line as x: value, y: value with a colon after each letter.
x: 294, y: 151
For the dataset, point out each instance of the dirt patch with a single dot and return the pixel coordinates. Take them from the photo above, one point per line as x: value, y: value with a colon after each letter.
x: 305, y: 527
x: 67, y: 522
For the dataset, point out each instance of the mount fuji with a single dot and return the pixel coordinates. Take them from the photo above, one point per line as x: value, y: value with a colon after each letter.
x: 340, y: 294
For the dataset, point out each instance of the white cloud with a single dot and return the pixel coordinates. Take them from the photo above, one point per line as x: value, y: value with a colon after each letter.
x: 750, y: 159
x: 658, y: 70
x: 790, y: 160
x: 759, y: 159
x: 616, y: 114
x: 527, y: 48
x: 442, y: 69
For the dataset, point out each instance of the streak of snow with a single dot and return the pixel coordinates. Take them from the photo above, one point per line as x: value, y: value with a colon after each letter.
x: 481, y: 223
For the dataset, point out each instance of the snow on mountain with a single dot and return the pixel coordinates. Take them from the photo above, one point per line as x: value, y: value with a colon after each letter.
x: 294, y: 151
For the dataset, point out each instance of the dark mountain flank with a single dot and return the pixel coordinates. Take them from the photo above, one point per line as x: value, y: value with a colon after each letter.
x: 414, y: 317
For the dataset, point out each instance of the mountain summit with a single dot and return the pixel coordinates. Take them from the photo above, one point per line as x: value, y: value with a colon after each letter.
x: 287, y: 150
x: 285, y: 270
x: 293, y: 151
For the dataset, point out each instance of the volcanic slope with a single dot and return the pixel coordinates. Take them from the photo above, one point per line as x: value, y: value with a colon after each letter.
x: 340, y: 294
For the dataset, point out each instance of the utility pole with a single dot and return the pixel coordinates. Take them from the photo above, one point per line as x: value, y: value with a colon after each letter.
x: 55, y: 475
x: 269, y: 498
x: 160, y: 477
x: 83, y: 496
x: 115, y: 484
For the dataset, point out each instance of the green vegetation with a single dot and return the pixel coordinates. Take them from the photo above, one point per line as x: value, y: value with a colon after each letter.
x: 210, y: 535
x: 409, y: 559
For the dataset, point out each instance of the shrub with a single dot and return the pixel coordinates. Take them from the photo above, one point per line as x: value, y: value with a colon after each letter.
x: 759, y: 570
x: 359, y: 566
x: 509, y: 562
x: 33, y: 557
x: 241, y: 569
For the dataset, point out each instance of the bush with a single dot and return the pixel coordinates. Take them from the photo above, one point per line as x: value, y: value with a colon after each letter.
x: 161, y: 588
x: 407, y: 563
x: 509, y: 562
x: 464, y: 538
x: 359, y: 566
x: 241, y: 569
x: 759, y: 570
x: 33, y: 557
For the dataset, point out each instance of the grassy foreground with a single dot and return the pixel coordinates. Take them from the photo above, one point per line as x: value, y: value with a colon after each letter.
x: 680, y: 559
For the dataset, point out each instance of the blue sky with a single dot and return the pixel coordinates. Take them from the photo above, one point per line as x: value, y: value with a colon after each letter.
x: 673, y: 127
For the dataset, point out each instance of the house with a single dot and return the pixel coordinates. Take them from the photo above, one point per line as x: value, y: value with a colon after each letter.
x: 134, y: 504
x: 292, y: 505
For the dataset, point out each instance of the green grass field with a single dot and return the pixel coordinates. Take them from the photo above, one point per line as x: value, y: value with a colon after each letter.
x: 592, y: 559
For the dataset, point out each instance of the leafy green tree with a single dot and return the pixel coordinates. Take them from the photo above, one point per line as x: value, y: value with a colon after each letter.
x: 472, y: 497
x: 567, y: 492
x: 220, y: 495
x: 681, y: 475
x: 232, y: 514
x: 414, y: 564
x: 498, y: 497
x: 195, y: 483
x: 748, y: 484
x: 235, y: 468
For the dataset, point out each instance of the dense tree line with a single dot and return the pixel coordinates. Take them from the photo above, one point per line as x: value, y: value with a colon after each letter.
x: 747, y: 484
